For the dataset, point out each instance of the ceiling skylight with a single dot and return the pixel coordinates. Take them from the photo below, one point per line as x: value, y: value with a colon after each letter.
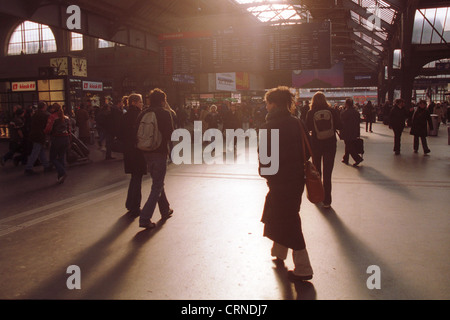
x: 273, y: 12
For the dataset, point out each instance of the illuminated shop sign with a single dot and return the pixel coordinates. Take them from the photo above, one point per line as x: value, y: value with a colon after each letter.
x: 92, y: 86
x: 23, y: 86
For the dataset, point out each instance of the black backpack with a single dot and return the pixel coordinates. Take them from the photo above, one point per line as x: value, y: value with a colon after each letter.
x: 61, y: 127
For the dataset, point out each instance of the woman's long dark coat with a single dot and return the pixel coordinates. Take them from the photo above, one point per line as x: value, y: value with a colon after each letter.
x: 281, y: 217
x: 419, y: 122
x: 133, y: 158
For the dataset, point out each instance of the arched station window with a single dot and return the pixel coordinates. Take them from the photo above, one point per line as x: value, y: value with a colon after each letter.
x: 31, y: 38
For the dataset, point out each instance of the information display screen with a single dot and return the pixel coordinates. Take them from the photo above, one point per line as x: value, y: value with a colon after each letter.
x: 299, y: 47
x: 304, y: 46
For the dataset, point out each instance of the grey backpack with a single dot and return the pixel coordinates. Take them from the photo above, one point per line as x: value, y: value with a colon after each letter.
x: 148, y: 135
x: 323, y: 124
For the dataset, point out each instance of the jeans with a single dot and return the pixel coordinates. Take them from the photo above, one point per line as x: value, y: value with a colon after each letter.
x: 156, y: 165
x: 58, y: 150
x: 37, y: 152
x: 134, y: 195
x: 324, y: 153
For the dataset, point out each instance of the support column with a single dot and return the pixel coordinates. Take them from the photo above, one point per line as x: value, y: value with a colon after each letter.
x: 407, y: 74
x: 390, y: 78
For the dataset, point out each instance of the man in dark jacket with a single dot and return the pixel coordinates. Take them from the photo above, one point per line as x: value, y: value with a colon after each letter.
x: 38, y: 138
x: 350, y: 132
x: 157, y: 161
x: 281, y: 217
x: 397, y: 119
x: 16, y: 140
x: 420, y: 118
x: 368, y: 112
x: 133, y: 158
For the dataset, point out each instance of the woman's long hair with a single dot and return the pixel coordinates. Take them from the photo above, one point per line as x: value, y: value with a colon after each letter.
x: 58, y: 109
x: 319, y: 101
x: 281, y: 96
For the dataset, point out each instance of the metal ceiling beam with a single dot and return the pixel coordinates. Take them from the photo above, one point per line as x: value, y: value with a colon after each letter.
x: 358, y: 28
x: 267, y: 3
x: 366, y: 54
x: 398, y: 5
x: 365, y: 43
x: 350, y: 5
x: 425, y: 4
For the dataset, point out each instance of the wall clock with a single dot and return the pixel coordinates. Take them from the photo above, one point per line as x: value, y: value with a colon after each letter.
x: 61, y: 64
x: 79, y: 67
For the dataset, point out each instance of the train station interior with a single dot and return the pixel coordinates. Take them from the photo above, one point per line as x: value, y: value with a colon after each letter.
x: 386, y: 235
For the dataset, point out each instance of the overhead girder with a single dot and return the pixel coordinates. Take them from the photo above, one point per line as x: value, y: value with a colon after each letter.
x: 350, y: 5
x: 358, y: 28
x: 424, y: 4
x: 398, y: 5
x: 365, y: 43
x: 366, y: 56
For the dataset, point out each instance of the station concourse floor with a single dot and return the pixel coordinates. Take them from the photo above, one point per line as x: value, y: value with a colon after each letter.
x: 391, y: 212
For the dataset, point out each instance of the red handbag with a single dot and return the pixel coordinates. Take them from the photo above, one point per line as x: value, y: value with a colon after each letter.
x: 313, y: 181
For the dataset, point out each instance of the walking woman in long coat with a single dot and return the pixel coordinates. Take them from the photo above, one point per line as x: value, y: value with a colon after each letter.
x: 421, y: 117
x: 133, y: 158
x: 281, y: 217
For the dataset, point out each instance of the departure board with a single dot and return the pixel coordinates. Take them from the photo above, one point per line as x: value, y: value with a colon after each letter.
x: 305, y: 46
x: 236, y: 51
x: 300, y: 47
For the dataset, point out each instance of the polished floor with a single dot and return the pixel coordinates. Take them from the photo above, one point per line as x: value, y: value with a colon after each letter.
x: 392, y: 212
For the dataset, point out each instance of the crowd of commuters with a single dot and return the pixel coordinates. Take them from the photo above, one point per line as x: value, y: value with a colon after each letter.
x: 29, y: 144
x: 32, y: 132
x: 321, y: 123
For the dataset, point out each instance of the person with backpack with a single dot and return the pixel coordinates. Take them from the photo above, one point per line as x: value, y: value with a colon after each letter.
x: 58, y: 127
x: 154, y: 131
x: 323, y: 121
x: 133, y: 159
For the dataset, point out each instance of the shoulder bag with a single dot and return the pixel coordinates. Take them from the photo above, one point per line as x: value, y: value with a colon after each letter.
x: 313, y: 182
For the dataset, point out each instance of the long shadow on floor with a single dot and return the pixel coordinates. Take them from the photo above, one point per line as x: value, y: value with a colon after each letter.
x: 377, y: 177
x: 112, y: 280
x: 360, y: 257
x: 56, y: 288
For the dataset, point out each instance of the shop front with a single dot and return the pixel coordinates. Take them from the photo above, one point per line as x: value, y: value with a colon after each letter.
x: 70, y: 92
